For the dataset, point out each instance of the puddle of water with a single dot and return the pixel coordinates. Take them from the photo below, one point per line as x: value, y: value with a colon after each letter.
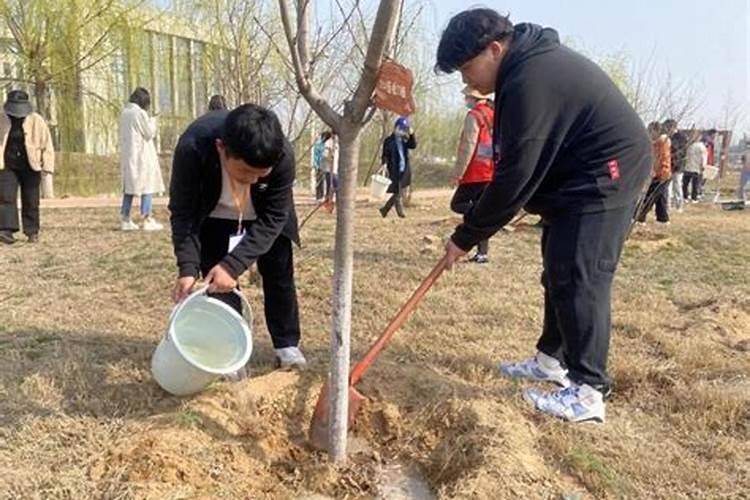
x: 402, y: 482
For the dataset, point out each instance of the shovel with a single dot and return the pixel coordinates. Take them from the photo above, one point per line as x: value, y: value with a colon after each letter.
x: 329, y: 205
x: 319, y: 424
x: 509, y: 228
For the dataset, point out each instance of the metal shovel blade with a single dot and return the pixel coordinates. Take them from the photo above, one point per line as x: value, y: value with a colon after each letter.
x: 319, y: 436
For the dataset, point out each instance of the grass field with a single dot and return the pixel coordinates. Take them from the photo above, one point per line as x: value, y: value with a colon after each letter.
x: 80, y: 417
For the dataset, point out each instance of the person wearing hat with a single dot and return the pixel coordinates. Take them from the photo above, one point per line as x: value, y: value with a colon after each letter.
x: 28, y: 153
x: 474, y: 167
x: 395, y: 158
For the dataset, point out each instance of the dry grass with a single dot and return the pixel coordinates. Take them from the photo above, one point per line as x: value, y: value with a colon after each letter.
x: 81, y: 312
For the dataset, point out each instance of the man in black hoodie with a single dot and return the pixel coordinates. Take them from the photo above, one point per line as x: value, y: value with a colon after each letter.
x: 231, y: 206
x: 570, y: 148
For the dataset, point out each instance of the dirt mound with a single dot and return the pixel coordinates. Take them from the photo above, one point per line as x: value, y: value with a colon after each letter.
x: 255, y: 430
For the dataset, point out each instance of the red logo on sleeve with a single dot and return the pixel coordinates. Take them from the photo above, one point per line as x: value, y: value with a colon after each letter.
x: 614, y: 169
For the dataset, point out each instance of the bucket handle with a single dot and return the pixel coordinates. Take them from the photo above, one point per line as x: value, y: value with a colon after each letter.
x: 204, y: 290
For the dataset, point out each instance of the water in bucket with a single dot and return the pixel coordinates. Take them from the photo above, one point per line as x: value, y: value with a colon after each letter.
x: 208, y: 338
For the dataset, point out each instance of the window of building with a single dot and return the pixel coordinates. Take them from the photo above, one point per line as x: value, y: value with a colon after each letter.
x: 183, y: 78
x: 163, y: 60
x: 199, y: 77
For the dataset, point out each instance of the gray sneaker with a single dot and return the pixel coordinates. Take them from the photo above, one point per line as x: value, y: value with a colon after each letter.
x: 7, y: 237
x: 540, y: 368
x: 289, y: 358
x: 577, y: 403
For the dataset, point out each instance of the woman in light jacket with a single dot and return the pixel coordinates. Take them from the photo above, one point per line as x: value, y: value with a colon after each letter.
x: 27, y: 154
x: 139, y: 163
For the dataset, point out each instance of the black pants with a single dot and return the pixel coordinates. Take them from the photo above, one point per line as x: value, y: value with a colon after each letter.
x: 465, y: 197
x: 580, y: 253
x: 10, y: 180
x: 276, y: 268
x: 320, y: 186
x: 691, y: 182
x: 657, y: 195
x: 394, y: 200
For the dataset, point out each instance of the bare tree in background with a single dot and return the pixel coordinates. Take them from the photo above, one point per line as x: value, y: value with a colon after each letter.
x: 348, y: 125
x: 56, y: 41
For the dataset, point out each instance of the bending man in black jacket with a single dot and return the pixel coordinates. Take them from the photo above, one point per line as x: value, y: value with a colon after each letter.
x: 231, y: 206
x: 569, y: 147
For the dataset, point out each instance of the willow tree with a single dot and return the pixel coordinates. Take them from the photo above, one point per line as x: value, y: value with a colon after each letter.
x: 348, y: 125
x: 56, y: 43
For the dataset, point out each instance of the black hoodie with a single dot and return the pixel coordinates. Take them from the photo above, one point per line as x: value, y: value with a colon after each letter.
x: 566, y: 140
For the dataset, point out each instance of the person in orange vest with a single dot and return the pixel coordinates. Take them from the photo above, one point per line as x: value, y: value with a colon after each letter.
x: 474, y: 167
x: 661, y: 171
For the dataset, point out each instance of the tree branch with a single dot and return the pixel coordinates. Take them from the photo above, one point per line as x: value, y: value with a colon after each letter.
x: 382, y: 32
x: 311, y: 94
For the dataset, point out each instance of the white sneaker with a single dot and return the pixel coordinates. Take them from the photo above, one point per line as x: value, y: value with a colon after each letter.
x: 577, y: 403
x: 542, y: 368
x: 128, y: 225
x: 290, y: 358
x: 151, y: 224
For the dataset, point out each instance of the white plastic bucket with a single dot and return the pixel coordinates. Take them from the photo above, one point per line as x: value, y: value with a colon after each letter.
x: 710, y: 172
x: 379, y: 186
x: 205, y: 339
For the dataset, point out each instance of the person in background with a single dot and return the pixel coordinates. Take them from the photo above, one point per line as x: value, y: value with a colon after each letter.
x: 661, y: 171
x: 139, y: 163
x: 329, y: 166
x: 28, y: 155
x: 319, y: 150
x: 744, y: 173
x: 395, y: 158
x: 474, y: 166
x: 710, y: 140
x: 678, y: 152
x: 217, y: 103
x: 232, y: 206
x: 696, y: 160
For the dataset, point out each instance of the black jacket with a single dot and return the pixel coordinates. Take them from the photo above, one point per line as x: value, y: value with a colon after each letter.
x: 390, y: 158
x: 195, y: 189
x: 569, y: 142
x: 679, y: 151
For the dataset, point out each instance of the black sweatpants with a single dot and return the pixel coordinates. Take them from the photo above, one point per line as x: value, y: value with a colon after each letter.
x: 691, y: 182
x: 276, y: 268
x: 30, y: 181
x: 580, y: 253
x: 657, y: 195
x: 465, y: 197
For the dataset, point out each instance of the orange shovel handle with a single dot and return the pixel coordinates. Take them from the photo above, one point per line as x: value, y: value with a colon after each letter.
x: 360, y: 368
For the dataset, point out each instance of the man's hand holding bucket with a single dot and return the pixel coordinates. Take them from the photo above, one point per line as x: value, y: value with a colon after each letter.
x: 219, y: 280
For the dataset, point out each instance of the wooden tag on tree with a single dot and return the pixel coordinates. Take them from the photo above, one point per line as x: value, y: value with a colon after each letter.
x: 393, y: 89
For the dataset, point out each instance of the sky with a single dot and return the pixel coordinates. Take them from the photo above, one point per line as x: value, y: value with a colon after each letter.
x: 704, y: 42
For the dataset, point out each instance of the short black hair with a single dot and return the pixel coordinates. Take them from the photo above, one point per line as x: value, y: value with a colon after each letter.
x: 467, y: 35
x: 253, y: 134
x: 670, y: 123
x: 327, y: 134
x: 217, y: 102
x: 655, y: 127
x: 141, y: 97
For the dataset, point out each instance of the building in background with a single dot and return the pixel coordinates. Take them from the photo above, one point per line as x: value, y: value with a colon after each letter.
x: 168, y: 55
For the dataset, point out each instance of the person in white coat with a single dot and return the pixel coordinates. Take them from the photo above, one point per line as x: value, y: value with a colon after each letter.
x: 139, y: 163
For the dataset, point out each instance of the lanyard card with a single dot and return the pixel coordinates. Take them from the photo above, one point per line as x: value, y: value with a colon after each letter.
x: 235, y: 240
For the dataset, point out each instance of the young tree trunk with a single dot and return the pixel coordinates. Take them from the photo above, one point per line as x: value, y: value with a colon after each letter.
x: 342, y: 291
x: 41, y: 92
